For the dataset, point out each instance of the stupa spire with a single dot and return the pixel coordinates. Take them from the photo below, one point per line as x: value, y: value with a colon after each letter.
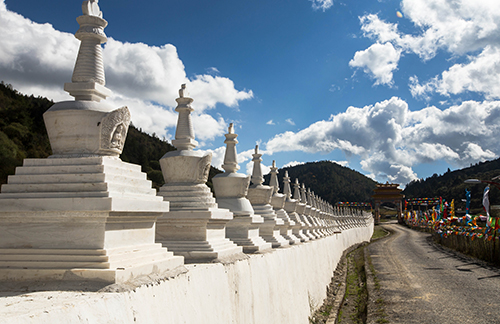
x: 273, y: 182
x: 88, y: 81
x: 184, y: 133
x: 257, y: 177
x: 287, y: 191
x: 303, y: 193
x: 296, y: 190
x: 230, y: 157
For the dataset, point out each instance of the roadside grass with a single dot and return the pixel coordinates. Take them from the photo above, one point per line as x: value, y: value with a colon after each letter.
x: 379, y: 232
x: 354, y: 308
x: 380, y: 314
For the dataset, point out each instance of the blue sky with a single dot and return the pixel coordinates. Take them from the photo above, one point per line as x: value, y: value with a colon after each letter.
x: 397, y: 90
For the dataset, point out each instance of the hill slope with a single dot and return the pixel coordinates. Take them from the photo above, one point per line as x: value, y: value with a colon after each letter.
x: 451, y: 185
x: 23, y: 135
x: 330, y: 181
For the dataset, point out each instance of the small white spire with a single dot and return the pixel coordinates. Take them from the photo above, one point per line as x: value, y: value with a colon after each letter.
x: 296, y: 190
x: 304, y: 197
x: 184, y: 132
x: 273, y: 182
x: 88, y: 80
x: 91, y: 8
x: 230, y: 157
x: 257, y: 177
x: 287, y: 191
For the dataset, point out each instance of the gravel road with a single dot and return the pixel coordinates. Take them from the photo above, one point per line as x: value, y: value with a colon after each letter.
x: 424, y: 283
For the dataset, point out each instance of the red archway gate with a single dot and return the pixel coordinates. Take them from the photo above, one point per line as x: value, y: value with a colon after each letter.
x: 390, y: 193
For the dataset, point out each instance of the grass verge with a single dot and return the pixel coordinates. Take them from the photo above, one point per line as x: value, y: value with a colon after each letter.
x: 354, y: 307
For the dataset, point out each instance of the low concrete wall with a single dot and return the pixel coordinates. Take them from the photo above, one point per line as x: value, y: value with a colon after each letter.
x: 282, y: 286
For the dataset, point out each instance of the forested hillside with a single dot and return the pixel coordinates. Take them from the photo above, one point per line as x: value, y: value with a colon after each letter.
x: 451, y: 185
x: 330, y: 181
x: 22, y: 131
x: 23, y: 135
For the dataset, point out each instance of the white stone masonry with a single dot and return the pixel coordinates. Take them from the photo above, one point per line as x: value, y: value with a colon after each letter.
x: 278, y: 203
x: 82, y: 214
x: 195, y: 227
x: 260, y: 198
x: 231, y: 189
x: 291, y: 209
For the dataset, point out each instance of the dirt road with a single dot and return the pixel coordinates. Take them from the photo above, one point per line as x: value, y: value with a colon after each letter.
x: 423, y: 283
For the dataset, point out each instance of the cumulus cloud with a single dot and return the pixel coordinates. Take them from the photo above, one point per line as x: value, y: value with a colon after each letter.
x: 322, y: 4
x: 342, y: 163
x: 459, y: 27
x: 481, y: 75
x: 37, y: 59
x: 390, y: 139
x: 379, y: 60
x: 293, y: 163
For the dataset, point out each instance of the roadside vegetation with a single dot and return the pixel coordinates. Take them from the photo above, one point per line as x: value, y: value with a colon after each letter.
x: 348, y: 296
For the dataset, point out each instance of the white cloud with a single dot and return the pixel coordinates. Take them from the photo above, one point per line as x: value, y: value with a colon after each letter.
x: 212, y: 70
x: 322, y: 4
x: 206, y: 127
x: 481, y: 75
x: 476, y: 153
x: 217, y: 156
x: 293, y: 163
x: 458, y: 27
x: 37, y: 59
x: 342, y: 163
x: 390, y: 139
x: 270, y: 122
x: 379, y: 60
x: 290, y: 121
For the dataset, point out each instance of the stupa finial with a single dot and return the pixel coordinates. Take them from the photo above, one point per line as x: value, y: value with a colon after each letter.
x: 257, y: 177
x: 303, y: 193
x: 88, y: 81
x: 183, y: 91
x: 184, y: 133
x: 230, y: 157
x: 286, y: 186
x: 91, y: 8
x: 274, y: 178
x: 296, y: 191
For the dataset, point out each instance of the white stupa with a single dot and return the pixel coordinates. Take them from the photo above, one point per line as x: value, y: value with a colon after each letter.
x: 315, y: 213
x: 231, y: 189
x: 195, y: 226
x: 291, y: 209
x: 301, y: 209
x: 278, y: 203
x: 82, y: 213
x: 260, y: 197
x: 308, y: 212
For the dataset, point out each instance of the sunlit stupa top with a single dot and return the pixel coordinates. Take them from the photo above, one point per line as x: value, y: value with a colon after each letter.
x: 88, y: 81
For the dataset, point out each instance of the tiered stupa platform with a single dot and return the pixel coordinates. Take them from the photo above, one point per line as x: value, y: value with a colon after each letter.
x: 259, y: 196
x: 82, y: 214
x: 231, y: 189
x: 195, y: 227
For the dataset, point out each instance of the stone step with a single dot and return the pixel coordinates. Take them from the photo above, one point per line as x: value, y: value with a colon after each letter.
x: 95, y: 194
x: 78, y: 169
x: 53, y: 257
x: 49, y: 264
x: 76, y: 187
x: 116, y: 162
x: 78, y: 178
x: 134, y: 259
x: 97, y: 252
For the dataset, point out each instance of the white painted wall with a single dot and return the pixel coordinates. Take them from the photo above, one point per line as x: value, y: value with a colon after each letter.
x: 276, y: 287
